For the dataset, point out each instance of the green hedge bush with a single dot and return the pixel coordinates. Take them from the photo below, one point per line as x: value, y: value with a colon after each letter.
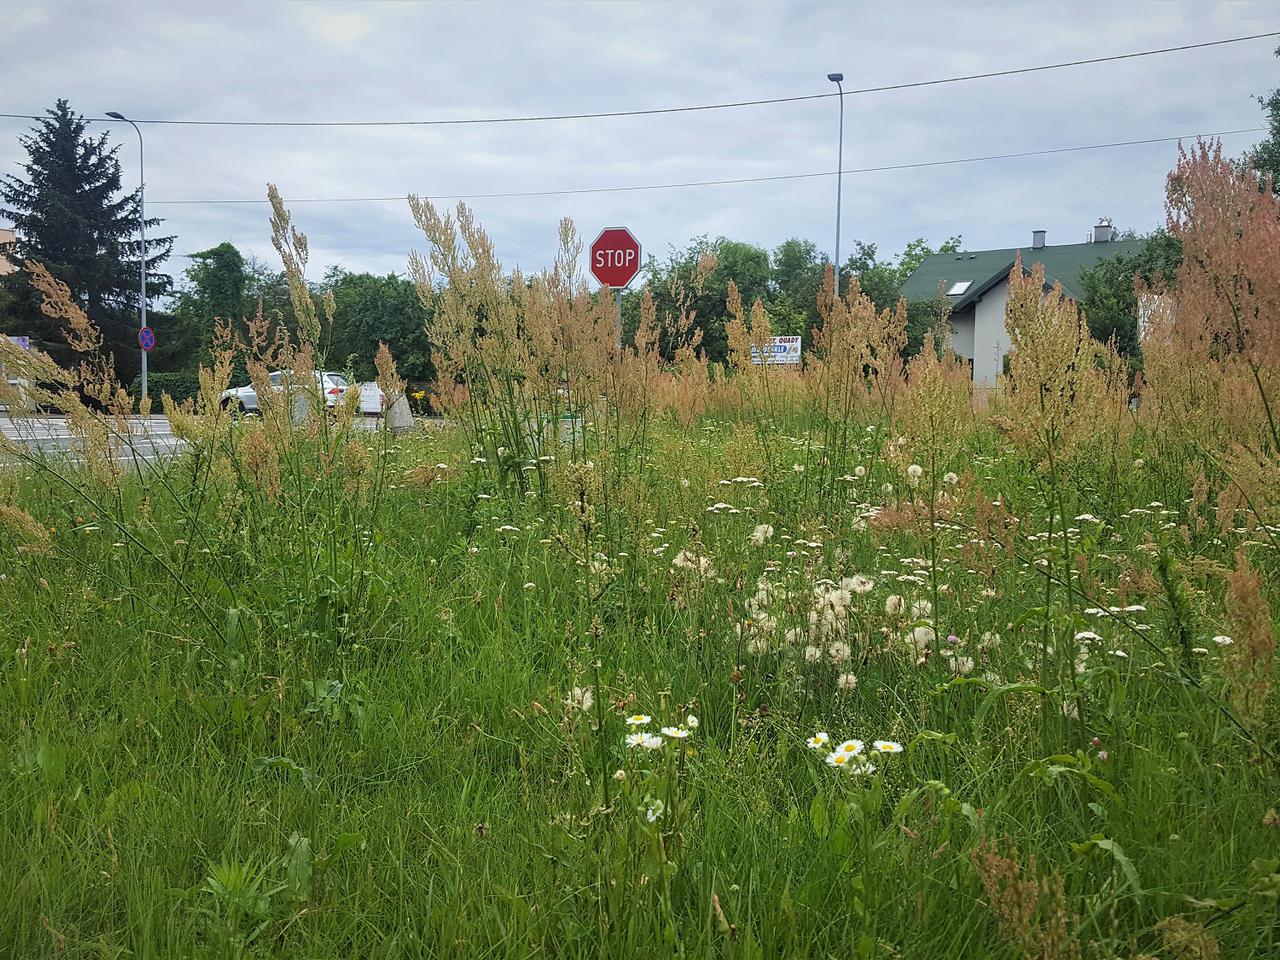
x: 180, y: 386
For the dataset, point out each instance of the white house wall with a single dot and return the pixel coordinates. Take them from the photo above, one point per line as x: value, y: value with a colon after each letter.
x: 990, y: 342
x: 962, y: 334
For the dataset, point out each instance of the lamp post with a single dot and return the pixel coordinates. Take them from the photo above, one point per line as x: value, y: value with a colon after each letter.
x: 142, y: 228
x: 836, y: 78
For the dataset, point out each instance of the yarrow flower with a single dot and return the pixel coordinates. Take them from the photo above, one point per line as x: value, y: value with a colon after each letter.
x: 1223, y: 640
x: 760, y: 534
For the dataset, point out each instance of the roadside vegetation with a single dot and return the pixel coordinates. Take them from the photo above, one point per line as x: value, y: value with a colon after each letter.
x: 641, y: 655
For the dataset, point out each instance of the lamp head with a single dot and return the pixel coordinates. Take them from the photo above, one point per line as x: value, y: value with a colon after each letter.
x: 115, y: 116
x: 833, y: 77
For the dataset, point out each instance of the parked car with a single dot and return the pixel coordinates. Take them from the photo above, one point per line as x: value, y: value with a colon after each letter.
x: 332, y: 386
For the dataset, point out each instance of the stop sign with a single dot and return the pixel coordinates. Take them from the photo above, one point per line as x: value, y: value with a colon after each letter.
x: 615, y: 257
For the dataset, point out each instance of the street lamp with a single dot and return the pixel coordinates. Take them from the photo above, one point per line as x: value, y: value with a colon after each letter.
x: 142, y: 227
x: 836, y: 78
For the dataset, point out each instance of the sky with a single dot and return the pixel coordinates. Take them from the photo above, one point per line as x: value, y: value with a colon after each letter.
x: 319, y: 61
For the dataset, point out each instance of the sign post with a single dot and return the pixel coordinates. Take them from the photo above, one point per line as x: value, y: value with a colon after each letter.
x: 615, y: 261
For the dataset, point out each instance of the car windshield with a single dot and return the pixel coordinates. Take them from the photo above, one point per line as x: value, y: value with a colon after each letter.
x: 337, y: 379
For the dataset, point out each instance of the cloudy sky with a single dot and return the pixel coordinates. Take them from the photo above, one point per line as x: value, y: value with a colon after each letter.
x: 313, y: 61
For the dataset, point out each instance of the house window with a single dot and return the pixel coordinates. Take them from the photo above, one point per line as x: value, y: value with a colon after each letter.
x: 959, y: 287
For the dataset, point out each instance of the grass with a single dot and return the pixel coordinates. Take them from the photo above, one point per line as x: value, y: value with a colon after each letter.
x: 337, y: 720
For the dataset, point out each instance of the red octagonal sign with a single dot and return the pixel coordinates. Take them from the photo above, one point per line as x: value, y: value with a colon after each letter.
x: 615, y: 257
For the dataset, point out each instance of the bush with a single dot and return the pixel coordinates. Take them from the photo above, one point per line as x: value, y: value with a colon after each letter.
x: 179, y: 386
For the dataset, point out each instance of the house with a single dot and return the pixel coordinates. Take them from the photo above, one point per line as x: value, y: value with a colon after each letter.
x: 6, y: 237
x: 976, y: 284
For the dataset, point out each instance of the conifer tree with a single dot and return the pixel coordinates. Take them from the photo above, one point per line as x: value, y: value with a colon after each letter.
x: 69, y: 215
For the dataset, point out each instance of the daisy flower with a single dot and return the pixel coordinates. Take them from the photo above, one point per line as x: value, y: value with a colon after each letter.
x: 651, y: 741
x: 818, y: 741
x: 886, y: 746
x: 638, y: 719
x: 676, y: 733
x: 851, y: 747
x: 636, y: 740
x: 839, y: 759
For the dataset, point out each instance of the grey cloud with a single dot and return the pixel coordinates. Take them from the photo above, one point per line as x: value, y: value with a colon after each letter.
x: 397, y: 61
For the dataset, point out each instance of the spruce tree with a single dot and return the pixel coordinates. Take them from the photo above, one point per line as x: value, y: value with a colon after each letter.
x: 69, y: 216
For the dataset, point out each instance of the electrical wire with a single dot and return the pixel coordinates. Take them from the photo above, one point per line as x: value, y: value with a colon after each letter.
x: 726, y: 182
x: 690, y: 108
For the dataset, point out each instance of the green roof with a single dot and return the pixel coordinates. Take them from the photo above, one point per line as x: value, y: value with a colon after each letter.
x: 985, y: 268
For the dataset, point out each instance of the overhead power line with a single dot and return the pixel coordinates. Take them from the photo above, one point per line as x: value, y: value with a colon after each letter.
x: 695, y: 107
x: 953, y: 161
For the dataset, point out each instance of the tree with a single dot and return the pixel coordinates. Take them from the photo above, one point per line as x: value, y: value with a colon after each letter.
x: 1264, y: 158
x: 372, y: 310
x: 744, y: 263
x: 216, y: 288
x: 1110, y: 299
x: 882, y: 280
x: 796, y: 281
x: 69, y: 217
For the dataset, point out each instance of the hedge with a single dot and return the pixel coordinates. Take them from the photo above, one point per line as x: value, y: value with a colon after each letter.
x: 180, y: 386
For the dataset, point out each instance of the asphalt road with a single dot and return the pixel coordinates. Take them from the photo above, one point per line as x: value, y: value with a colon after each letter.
x: 149, y: 438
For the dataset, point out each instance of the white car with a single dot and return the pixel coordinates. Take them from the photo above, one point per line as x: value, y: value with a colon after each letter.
x: 332, y: 386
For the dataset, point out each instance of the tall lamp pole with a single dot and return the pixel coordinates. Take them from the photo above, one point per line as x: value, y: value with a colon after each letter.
x: 142, y: 227
x: 836, y: 78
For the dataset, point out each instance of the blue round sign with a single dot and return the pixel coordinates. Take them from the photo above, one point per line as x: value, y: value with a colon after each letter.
x: 146, y: 338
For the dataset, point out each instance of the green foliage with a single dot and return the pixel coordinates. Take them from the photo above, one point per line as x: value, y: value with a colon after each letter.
x: 746, y: 264
x: 1110, y: 297
x: 68, y: 215
x: 180, y: 386
x: 216, y: 287
x: 373, y: 310
x: 882, y: 280
x: 1264, y: 157
x: 787, y: 281
x: 796, y: 281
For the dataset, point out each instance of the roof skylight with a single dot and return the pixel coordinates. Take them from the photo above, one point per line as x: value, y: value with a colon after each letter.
x: 959, y: 287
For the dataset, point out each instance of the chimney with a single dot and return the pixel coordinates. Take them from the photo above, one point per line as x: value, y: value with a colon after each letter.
x: 1104, y: 231
x: 1037, y: 239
